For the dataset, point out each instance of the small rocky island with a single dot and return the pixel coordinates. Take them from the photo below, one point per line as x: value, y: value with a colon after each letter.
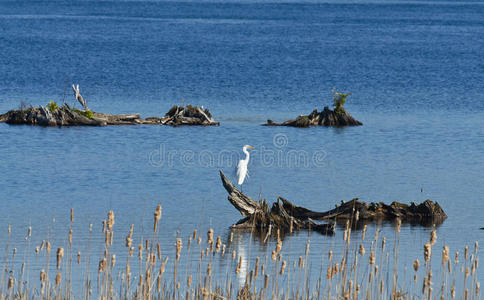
x: 338, y: 117
x: 286, y: 216
x: 54, y: 115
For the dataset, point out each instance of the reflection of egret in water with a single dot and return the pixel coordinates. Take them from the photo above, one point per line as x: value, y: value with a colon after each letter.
x: 240, y: 245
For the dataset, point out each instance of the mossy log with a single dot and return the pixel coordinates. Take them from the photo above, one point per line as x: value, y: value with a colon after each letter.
x: 67, y: 116
x: 284, y: 215
x: 327, y: 117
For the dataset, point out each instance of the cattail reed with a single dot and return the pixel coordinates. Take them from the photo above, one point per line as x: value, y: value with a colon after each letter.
x: 433, y: 237
x: 427, y: 251
x: 283, y: 267
x: 416, y: 265
x: 110, y: 222
x: 157, y: 217
x: 178, y: 247
x: 445, y: 256
x: 210, y: 238
x: 60, y: 255
x: 58, y: 279
x: 218, y: 244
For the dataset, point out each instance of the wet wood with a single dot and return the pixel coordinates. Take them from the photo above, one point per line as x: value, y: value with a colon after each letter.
x: 327, y: 117
x: 284, y: 215
x: 67, y: 116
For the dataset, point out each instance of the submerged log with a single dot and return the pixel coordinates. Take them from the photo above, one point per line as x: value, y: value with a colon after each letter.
x: 327, y: 117
x: 286, y: 216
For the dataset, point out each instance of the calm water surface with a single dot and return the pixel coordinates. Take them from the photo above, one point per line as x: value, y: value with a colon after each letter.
x: 415, y: 69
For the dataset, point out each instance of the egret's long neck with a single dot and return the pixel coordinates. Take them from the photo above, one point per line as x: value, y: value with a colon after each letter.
x: 247, y: 154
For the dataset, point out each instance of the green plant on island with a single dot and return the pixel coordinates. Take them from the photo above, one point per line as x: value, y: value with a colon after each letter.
x: 52, y: 106
x: 86, y: 113
x: 339, y: 100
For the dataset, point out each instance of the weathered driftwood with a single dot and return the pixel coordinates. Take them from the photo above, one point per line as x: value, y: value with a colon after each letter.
x: 67, y: 116
x: 189, y: 115
x: 259, y: 217
x: 79, y: 98
x: 284, y: 215
x: 327, y: 117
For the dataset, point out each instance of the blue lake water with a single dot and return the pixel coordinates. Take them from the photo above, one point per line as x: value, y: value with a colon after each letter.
x: 416, y: 71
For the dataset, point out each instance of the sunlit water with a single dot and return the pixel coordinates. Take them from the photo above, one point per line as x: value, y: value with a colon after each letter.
x: 415, y: 69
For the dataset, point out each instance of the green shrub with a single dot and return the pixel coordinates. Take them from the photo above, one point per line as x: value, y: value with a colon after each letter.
x: 85, y: 113
x: 339, y: 100
x: 52, y: 106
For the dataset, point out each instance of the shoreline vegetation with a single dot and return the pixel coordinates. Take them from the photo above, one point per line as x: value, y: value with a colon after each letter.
x: 201, y: 266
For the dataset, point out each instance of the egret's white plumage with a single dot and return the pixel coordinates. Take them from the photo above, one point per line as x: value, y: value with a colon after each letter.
x: 242, y: 166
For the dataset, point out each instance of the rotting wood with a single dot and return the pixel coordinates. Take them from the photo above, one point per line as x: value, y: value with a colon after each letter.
x: 284, y: 215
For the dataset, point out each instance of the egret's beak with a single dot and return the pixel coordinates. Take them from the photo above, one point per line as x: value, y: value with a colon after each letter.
x: 250, y: 147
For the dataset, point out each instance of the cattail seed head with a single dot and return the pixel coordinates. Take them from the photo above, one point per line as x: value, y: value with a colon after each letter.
x: 178, y: 247
x: 113, y: 260
x: 58, y: 278
x: 157, y: 217
x: 10, y: 282
x: 60, y: 255
x: 70, y: 237
x: 266, y: 281
x: 283, y: 267
x: 233, y: 254
x: 29, y: 231
x: 416, y: 264
x: 427, y: 251
x: 330, y: 255
x: 218, y: 244
x: 72, y: 215
x: 301, y: 263
x: 445, y: 255
x: 361, y: 250
x: 37, y: 250
x: 47, y: 247
x: 140, y: 251
x: 372, y: 258
x: 110, y: 222
x: 158, y: 250
x: 466, y: 252
x: 210, y: 237
x: 433, y: 237
x: 43, y: 275
x: 273, y: 255
x: 9, y: 229
x: 79, y: 257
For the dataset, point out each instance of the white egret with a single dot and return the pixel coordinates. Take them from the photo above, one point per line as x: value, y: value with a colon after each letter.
x: 242, y: 166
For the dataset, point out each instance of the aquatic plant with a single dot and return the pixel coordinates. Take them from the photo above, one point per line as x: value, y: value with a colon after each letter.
x: 52, y: 106
x: 85, y: 113
x: 364, y: 268
x: 339, y: 100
